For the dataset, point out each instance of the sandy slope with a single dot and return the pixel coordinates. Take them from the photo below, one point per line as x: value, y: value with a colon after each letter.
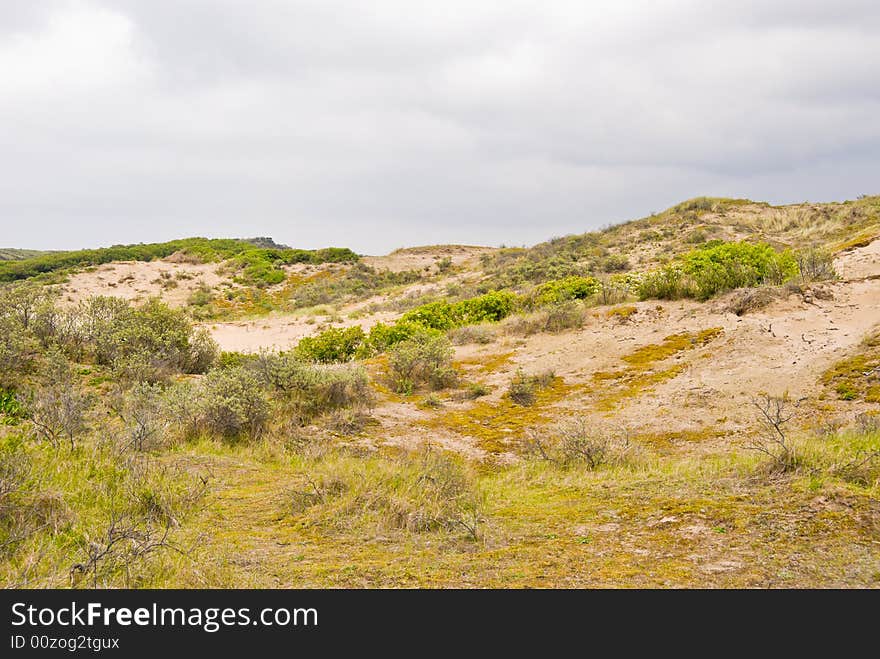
x: 782, y: 349
x: 140, y: 280
x: 419, y: 258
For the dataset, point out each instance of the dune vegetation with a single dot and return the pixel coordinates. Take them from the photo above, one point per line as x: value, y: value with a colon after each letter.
x: 687, y: 399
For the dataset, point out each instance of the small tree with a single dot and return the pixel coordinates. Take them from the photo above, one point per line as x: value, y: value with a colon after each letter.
x: 57, y: 409
x: 774, y: 413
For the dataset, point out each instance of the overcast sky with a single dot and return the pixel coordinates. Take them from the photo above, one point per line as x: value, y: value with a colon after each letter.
x: 381, y: 124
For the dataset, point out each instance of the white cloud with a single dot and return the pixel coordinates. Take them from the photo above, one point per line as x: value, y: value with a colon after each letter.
x: 79, y: 48
x: 400, y: 123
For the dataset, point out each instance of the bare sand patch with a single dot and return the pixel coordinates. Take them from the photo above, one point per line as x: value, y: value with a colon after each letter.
x: 140, y: 280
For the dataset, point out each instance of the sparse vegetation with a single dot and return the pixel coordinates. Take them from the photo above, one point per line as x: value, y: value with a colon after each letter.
x: 523, y: 388
x: 576, y: 441
x: 858, y: 377
x: 133, y: 453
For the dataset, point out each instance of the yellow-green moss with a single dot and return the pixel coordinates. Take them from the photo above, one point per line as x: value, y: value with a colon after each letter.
x: 671, y: 437
x: 623, y: 312
x: 632, y: 383
x: 494, y: 423
x: 857, y: 377
x: 672, y: 344
x: 614, y: 388
x: 861, y: 239
x: 485, y: 363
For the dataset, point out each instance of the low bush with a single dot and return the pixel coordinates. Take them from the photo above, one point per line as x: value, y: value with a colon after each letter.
x: 577, y: 441
x: 150, y: 342
x: 233, y: 405
x: 718, y: 267
x: 383, y: 337
x: 481, y: 334
x: 443, y: 315
x: 568, y: 288
x: 815, y: 265
x: 309, y: 389
x: 565, y: 316
x: 750, y: 299
x: 475, y: 390
x: 57, y: 407
x: 615, y: 263
x: 559, y: 318
x: 143, y: 412
x: 523, y: 388
x: 17, y: 351
x: 336, y: 344
x: 423, y: 359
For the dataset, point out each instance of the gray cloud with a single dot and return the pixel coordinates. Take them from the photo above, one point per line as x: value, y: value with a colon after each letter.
x: 408, y: 123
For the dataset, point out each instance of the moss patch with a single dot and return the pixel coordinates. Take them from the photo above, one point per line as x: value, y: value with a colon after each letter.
x: 495, y: 423
x: 624, y: 312
x: 858, y: 376
x: 672, y: 344
x: 485, y: 363
x: 614, y: 388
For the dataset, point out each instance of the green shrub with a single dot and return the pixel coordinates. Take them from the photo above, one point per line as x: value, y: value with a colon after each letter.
x: 423, y: 359
x: 311, y: 389
x: 383, y: 337
x: 147, y: 343
x: 17, y: 351
x: 11, y: 410
x: 475, y: 390
x: 491, y: 307
x: 615, y: 263
x: 442, y: 315
x: 233, y: 404
x: 568, y: 288
x: 201, y: 296
x: 667, y: 283
x: 438, y: 315
x: 336, y: 344
x: 718, y: 267
x: 230, y: 358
